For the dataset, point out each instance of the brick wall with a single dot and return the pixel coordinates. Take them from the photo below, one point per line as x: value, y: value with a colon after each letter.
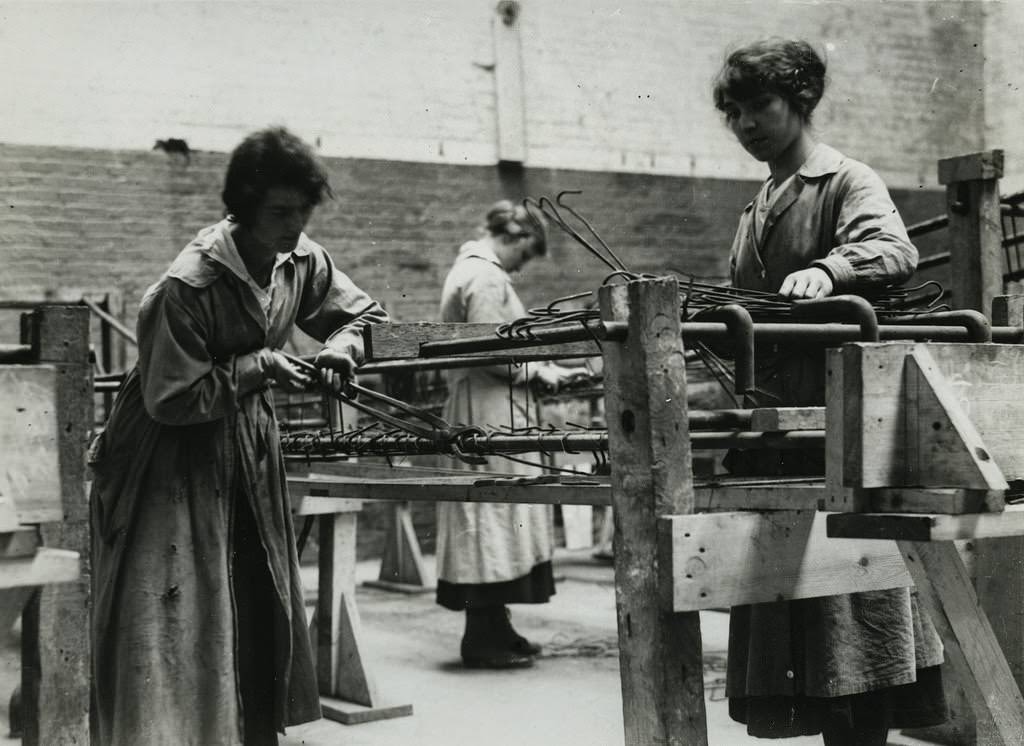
x: 99, y: 221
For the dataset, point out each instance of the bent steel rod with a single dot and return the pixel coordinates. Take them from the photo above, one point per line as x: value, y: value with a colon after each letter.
x: 770, y: 332
x: 496, y: 444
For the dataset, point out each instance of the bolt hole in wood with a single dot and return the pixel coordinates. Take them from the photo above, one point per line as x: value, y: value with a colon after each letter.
x: 628, y: 420
x: 936, y: 426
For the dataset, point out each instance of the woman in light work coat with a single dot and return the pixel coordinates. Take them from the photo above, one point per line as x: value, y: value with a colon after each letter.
x: 849, y: 667
x: 490, y: 554
x: 200, y: 632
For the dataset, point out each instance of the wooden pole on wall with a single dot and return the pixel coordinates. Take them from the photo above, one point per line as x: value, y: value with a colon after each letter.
x: 56, y: 650
x: 660, y: 657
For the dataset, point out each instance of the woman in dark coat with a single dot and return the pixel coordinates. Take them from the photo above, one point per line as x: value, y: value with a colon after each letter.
x: 852, y: 666
x: 200, y: 634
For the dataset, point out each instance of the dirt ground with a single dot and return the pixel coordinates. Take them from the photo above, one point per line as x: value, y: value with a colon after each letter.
x: 570, y: 697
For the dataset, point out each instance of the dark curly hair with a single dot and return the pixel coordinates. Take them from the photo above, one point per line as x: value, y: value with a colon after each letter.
x: 515, y: 221
x: 272, y: 157
x: 789, y: 68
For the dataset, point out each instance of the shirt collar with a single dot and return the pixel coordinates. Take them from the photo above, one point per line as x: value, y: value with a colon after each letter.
x: 221, y: 247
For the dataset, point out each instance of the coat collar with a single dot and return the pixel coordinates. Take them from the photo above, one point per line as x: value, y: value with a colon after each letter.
x: 213, y: 250
x: 479, y: 250
x: 822, y: 161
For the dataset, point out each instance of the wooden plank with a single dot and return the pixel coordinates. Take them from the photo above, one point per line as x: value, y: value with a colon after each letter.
x: 349, y: 713
x: 402, y: 341
x: 942, y: 446
x: 984, y: 165
x: 660, y: 662
x: 509, y: 95
x: 986, y: 380
x: 56, y: 679
x: 45, y: 566
x: 378, y: 470
x: 775, y: 419
x: 30, y: 478
x: 945, y: 593
x: 730, y: 559
x: 924, y: 500
x: 975, y: 235
x: 454, y: 489
x: 925, y: 527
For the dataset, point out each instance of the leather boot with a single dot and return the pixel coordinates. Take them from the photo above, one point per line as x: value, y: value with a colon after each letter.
x: 513, y: 640
x: 485, y: 644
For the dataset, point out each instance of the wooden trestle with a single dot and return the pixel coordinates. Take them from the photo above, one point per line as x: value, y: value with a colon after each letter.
x: 920, y: 452
x: 46, y: 417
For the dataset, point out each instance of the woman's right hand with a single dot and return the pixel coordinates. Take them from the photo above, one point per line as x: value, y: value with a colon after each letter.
x: 287, y: 374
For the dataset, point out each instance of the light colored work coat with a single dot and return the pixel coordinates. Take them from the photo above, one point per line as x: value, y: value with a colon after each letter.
x: 836, y: 214
x: 488, y: 542
x: 192, y: 427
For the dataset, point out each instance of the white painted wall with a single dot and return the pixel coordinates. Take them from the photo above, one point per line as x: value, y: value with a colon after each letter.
x: 610, y: 86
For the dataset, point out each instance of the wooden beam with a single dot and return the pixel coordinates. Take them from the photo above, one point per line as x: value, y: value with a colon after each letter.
x: 945, y: 593
x: 30, y: 479
x: 923, y: 527
x: 730, y: 559
x: 984, y: 165
x: 975, y: 228
x: 660, y: 662
x: 44, y: 567
x: 56, y: 650
x: 869, y: 443
x: 402, y: 341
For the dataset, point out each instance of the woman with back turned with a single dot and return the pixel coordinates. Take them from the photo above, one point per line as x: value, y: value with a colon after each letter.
x: 849, y: 667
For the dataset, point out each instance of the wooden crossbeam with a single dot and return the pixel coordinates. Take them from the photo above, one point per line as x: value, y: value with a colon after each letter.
x: 44, y: 567
x: 945, y: 593
x: 907, y: 527
x: 715, y: 560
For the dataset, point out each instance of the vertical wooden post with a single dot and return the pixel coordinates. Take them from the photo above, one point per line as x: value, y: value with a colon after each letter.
x: 56, y: 651
x: 645, y: 388
x: 975, y: 227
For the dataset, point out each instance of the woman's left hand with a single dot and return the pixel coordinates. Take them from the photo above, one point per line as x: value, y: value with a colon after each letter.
x: 336, y: 368
x: 812, y: 282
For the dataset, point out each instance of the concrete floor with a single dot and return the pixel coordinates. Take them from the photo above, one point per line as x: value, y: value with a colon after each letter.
x: 570, y: 697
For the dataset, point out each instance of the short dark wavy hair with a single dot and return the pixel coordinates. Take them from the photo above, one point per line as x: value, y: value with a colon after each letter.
x: 789, y: 68
x: 268, y: 158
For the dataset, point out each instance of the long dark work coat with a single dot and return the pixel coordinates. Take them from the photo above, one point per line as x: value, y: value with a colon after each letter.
x: 836, y: 214
x: 194, y: 427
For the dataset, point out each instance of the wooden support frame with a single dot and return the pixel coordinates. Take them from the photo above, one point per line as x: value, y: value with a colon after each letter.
x: 56, y: 650
x: 660, y: 660
x: 348, y: 691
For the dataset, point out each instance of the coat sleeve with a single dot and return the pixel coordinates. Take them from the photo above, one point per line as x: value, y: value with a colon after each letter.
x: 182, y: 382
x: 871, y: 246
x: 333, y: 310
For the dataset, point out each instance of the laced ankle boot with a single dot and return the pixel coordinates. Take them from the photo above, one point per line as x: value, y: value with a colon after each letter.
x: 485, y: 642
x: 513, y: 640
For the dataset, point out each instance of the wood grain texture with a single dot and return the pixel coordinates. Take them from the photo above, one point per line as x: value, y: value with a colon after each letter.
x: 660, y: 661
x: 730, y: 559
